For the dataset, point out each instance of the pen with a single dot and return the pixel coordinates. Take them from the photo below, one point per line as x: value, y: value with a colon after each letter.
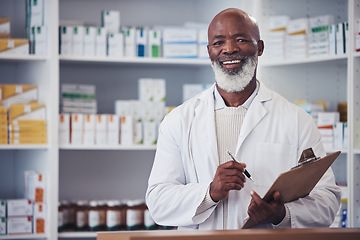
x: 245, y: 172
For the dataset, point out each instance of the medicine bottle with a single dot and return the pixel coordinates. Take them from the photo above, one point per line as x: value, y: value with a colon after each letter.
x: 102, y: 206
x: 96, y: 216
x: 60, y: 217
x: 148, y: 220
x: 71, y: 216
x: 135, y: 214
x: 123, y: 210
x: 81, y: 215
x: 113, y: 215
x: 65, y: 214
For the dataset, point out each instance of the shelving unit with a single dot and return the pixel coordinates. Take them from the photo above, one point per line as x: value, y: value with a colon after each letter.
x: 105, y: 172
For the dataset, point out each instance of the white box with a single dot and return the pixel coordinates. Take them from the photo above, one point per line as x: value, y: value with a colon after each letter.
x: 180, y: 43
x: 340, y: 39
x: 141, y: 42
x: 35, y: 186
x: 64, y: 129
x: 298, y: 26
x: 89, y: 129
x: 159, y: 90
x: 126, y: 130
x: 145, y: 89
x: 346, y: 136
x: 338, y: 135
x: 150, y: 132
x: 39, y: 44
x: 323, y: 20
x: 101, y: 129
x: 34, y: 13
x: 123, y: 107
x: 130, y: 42
x: 113, y: 122
x: 202, y: 44
x: 154, y: 45
x: 100, y: 42
x: 78, y: 40
x: 4, y: 27
x: 66, y: 40
x: 2, y: 226
x: 138, y: 132
x: 19, y: 208
x: 278, y: 23
x: 89, y: 41
x: 2, y: 208
x: 40, y: 210
x: 327, y: 118
x: 115, y: 45
x: 110, y: 20
x: 77, y: 124
x: 19, y: 225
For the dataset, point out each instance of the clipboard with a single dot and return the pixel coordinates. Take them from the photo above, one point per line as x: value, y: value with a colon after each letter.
x: 299, y: 181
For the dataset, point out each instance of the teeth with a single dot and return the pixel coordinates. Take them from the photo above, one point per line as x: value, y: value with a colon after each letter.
x: 232, y: 62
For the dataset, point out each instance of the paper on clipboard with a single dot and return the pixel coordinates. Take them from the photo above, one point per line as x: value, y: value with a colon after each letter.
x: 298, y: 182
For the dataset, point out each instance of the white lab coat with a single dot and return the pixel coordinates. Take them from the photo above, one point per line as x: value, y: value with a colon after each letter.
x: 273, y: 135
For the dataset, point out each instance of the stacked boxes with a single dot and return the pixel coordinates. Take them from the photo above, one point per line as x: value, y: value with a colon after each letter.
x: 180, y: 43
x: 17, y: 46
x: 26, y: 117
x: 319, y: 43
x: 36, y: 31
x: 296, y: 38
x: 78, y: 98
x: 4, y: 27
x: 3, y: 125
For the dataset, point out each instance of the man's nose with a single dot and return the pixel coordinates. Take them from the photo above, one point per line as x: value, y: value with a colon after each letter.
x: 230, y: 47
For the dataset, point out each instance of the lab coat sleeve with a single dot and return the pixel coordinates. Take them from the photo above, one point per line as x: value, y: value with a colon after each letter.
x: 318, y: 209
x: 174, y: 195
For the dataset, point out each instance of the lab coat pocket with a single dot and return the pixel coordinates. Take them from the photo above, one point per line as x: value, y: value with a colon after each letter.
x: 271, y: 159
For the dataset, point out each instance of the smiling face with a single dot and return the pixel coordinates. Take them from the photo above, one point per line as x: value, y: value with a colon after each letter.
x: 234, y: 46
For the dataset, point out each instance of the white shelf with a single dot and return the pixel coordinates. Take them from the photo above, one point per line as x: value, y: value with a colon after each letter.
x: 106, y: 147
x: 77, y: 235
x: 320, y: 59
x: 21, y: 58
x: 138, y: 60
x: 23, y: 146
x: 25, y: 236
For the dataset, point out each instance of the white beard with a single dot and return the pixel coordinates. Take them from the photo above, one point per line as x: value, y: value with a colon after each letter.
x: 235, y: 81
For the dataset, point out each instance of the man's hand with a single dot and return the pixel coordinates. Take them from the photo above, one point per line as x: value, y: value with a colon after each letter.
x: 228, y: 176
x: 263, y: 212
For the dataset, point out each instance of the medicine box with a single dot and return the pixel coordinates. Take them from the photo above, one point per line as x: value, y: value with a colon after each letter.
x: 35, y: 186
x: 19, y: 208
x: 150, y: 130
x: 141, y: 41
x: 101, y: 129
x: 39, y: 218
x: 89, y: 129
x: 2, y: 226
x: 66, y: 40
x: 115, y: 45
x: 17, y: 46
x: 39, y: 40
x: 110, y: 20
x: 154, y: 43
x: 113, y: 122
x: 126, y: 130
x: 2, y: 208
x: 78, y: 40
x: 100, y: 42
x: 4, y: 27
x: 202, y: 44
x: 89, y: 41
x: 64, y: 129
x: 77, y: 124
x: 19, y: 225
x: 130, y: 41
x: 180, y: 43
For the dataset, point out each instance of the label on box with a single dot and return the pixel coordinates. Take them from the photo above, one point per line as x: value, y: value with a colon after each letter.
x: 19, y: 207
x: 19, y: 225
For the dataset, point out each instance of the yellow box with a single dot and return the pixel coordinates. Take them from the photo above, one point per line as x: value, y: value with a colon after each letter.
x: 14, y: 45
x: 4, y: 27
x: 17, y: 110
x: 29, y: 141
x: 9, y: 90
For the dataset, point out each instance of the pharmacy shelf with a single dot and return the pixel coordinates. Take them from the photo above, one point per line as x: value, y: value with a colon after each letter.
x: 23, y: 146
x: 21, y: 58
x: 138, y: 60
x: 319, y: 59
x: 77, y: 235
x: 26, y: 236
x: 106, y: 147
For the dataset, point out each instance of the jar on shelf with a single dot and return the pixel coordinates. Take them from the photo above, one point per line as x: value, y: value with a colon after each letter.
x: 81, y: 215
x: 149, y: 222
x: 61, y: 224
x: 71, y: 225
x: 135, y: 214
x: 96, y: 216
x: 113, y: 215
x: 123, y: 209
x: 65, y: 214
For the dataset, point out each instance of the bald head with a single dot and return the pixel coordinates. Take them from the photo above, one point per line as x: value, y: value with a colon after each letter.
x: 238, y: 16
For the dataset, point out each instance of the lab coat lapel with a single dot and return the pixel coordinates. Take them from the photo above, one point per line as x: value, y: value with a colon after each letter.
x: 255, y: 113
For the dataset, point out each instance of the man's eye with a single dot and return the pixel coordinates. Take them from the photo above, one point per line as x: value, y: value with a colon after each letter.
x: 218, y: 43
x: 242, y: 40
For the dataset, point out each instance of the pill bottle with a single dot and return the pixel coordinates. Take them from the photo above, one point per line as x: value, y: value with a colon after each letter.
x: 81, y: 215
x: 71, y: 216
x: 123, y: 210
x: 102, y: 207
x: 65, y: 214
x: 60, y: 217
x: 149, y: 222
x: 135, y: 214
x: 113, y: 215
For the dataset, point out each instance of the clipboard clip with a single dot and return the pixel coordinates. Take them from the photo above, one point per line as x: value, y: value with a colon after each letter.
x: 307, y: 156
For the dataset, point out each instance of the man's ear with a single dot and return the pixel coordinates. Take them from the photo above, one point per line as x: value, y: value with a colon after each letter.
x: 260, y: 47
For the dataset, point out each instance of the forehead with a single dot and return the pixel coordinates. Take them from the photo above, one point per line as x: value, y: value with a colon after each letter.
x: 231, y: 24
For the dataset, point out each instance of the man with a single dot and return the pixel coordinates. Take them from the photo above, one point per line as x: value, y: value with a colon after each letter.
x: 194, y: 184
